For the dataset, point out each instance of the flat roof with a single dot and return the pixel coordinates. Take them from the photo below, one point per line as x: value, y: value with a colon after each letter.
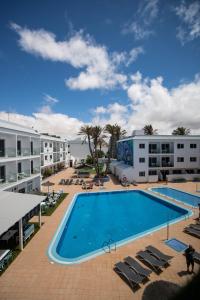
x: 17, y: 127
x: 14, y: 206
x: 161, y: 137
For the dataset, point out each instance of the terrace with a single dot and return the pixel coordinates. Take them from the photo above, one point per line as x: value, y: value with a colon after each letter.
x: 34, y: 276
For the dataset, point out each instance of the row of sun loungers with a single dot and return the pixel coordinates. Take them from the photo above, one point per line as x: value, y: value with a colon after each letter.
x: 71, y: 181
x: 193, y: 229
x: 134, y: 273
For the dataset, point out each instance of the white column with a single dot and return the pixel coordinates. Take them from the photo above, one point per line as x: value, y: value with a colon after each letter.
x: 39, y: 217
x: 21, y: 245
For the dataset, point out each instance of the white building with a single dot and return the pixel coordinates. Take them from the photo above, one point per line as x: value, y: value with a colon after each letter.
x: 157, y: 157
x: 53, y: 152
x: 77, y: 151
x: 19, y: 158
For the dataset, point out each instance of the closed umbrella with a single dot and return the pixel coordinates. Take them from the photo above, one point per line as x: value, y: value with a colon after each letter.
x: 48, y: 184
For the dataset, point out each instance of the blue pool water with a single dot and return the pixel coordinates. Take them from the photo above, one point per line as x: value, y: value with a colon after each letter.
x: 94, y: 218
x: 176, y: 245
x: 178, y: 195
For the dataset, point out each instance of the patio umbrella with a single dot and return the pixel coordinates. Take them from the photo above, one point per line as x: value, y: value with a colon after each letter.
x: 48, y: 184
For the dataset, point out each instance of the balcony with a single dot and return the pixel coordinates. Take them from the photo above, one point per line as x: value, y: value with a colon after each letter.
x: 6, y: 181
x: 35, y: 170
x: 8, y: 152
x: 24, y: 174
x: 167, y: 164
x: 154, y: 165
x: 36, y: 151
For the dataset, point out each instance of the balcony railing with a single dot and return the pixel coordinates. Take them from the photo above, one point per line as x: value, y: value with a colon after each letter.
x: 168, y: 164
x: 36, y: 170
x: 23, y: 174
x: 36, y: 151
x: 154, y: 165
x: 8, y: 152
x: 11, y: 177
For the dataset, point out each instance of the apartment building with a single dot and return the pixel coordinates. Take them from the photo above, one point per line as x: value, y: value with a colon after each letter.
x: 19, y: 158
x: 158, y: 157
x: 54, y: 153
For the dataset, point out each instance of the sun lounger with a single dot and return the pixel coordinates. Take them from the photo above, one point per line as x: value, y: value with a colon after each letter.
x: 192, y: 231
x: 196, y: 256
x: 70, y: 181
x: 155, y: 263
x: 132, y: 278
x: 66, y: 181
x: 136, y: 266
x: 158, y: 254
x: 195, y: 226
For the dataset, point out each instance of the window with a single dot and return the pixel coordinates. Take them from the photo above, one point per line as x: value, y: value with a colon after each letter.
x: 193, y: 146
x: 180, y: 159
x: 2, y: 148
x: 19, y: 167
x: 31, y: 147
x: 176, y: 172
x: 192, y: 159
x: 19, y: 148
x: 45, y: 145
x: 142, y: 174
x: 180, y: 146
x: 31, y: 167
x: 50, y: 145
x: 2, y: 173
x: 152, y: 148
x: 50, y: 156
x: 142, y: 159
x: 152, y: 172
x: 141, y: 146
x: 45, y: 157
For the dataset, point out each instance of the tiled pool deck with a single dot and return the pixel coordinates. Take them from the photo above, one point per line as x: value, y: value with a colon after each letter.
x: 33, y: 276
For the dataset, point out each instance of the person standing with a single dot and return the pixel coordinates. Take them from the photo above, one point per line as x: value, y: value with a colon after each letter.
x: 189, y: 254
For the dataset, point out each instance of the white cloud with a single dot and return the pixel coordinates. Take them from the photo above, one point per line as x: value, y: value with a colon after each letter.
x: 150, y: 102
x: 190, y: 21
x: 153, y: 103
x: 53, y: 123
x: 50, y: 99
x: 142, y: 21
x: 99, y: 68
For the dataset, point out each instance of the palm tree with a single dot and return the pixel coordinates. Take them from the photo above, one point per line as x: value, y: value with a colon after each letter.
x: 86, y: 131
x: 181, y: 131
x: 116, y: 133
x: 96, y: 136
x: 148, y: 130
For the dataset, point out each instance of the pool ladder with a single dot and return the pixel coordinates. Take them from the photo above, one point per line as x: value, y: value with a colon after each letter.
x: 107, y: 246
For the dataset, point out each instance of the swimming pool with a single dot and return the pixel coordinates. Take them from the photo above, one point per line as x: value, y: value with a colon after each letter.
x: 178, y: 195
x: 95, y: 219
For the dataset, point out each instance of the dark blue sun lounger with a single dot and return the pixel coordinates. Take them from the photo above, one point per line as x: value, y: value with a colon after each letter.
x: 155, y: 263
x: 158, y: 254
x: 131, y: 277
x: 136, y: 266
x: 192, y: 231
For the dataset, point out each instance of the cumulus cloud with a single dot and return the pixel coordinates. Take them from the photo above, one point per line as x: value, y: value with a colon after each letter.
x: 140, y: 25
x: 189, y: 14
x: 53, y: 123
x: 151, y: 102
x: 98, y: 67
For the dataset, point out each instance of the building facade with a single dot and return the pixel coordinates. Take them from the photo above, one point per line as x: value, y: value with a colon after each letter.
x: 153, y: 158
x: 77, y: 151
x: 54, y: 153
x: 19, y: 158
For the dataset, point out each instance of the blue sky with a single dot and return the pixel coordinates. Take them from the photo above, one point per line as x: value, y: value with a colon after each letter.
x: 100, y: 61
